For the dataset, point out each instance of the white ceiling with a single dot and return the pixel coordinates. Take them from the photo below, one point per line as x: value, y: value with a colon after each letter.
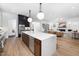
x: 51, y: 10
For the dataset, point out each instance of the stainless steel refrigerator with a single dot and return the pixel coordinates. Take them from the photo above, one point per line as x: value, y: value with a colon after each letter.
x: 21, y: 28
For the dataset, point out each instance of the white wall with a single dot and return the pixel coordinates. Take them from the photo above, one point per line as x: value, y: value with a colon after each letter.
x: 0, y: 18
x: 37, y: 26
x: 9, y: 20
x: 72, y: 23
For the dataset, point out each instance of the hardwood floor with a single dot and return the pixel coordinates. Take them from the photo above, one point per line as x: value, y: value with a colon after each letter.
x: 66, y: 47
x: 15, y: 47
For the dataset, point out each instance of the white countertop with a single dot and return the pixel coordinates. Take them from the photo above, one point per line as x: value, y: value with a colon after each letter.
x: 39, y: 35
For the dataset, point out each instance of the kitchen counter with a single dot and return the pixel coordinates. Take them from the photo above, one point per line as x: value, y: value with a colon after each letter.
x: 40, y: 44
x: 39, y: 35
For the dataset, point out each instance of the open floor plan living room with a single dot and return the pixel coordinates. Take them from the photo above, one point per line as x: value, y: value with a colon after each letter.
x: 39, y: 29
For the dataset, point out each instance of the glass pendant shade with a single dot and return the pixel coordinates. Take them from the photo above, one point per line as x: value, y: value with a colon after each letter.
x: 40, y: 15
x: 29, y: 19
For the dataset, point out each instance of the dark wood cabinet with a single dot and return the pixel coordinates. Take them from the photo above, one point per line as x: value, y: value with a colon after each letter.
x: 22, y: 20
x: 37, y: 47
x: 37, y: 44
x: 25, y: 39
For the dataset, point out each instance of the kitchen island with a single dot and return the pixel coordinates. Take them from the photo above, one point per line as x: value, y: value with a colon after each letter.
x: 40, y: 44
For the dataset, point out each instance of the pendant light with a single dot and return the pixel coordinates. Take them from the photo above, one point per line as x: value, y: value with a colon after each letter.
x: 29, y: 19
x: 40, y: 15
